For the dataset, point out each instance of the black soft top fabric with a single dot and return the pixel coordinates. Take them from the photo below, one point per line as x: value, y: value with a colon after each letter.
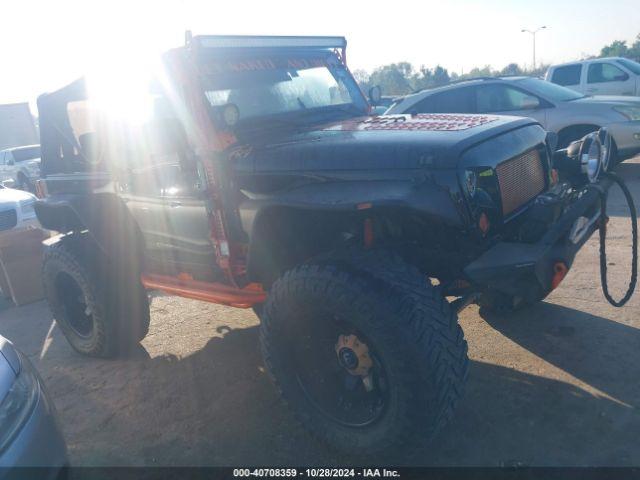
x: 57, y: 141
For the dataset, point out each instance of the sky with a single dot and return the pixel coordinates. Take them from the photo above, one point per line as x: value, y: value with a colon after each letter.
x: 45, y: 43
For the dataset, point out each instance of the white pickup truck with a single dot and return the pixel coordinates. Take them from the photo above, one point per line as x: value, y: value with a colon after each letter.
x: 16, y: 209
x: 598, y: 76
x: 22, y: 165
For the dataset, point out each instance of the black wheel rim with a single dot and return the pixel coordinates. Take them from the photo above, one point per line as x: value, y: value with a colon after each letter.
x: 326, y: 384
x: 78, y: 315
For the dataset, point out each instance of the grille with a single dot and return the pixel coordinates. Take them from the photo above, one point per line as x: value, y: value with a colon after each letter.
x: 8, y: 219
x: 521, y: 179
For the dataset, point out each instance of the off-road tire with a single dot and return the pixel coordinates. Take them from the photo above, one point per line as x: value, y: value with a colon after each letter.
x: 409, y: 323
x: 119, y: 320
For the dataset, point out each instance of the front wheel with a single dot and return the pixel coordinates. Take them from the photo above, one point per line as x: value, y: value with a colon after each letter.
x: 369, y: 361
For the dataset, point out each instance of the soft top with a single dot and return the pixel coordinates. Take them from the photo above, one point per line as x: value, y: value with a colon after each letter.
x: 56, y: 137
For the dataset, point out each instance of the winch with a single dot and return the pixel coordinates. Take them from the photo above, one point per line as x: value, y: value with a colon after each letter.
x: 590, y: 157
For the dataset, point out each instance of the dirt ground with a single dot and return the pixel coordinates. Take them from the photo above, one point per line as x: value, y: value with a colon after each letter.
x: 554, y: 385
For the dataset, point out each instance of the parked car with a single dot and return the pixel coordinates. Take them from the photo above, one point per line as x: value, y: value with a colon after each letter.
x: 29, y: 432
x: 22, y: 165
x: 382, y: 105
x: 16, y: 208
x: 558, y: 109
x: 267, y: 184
x: 598, y: 76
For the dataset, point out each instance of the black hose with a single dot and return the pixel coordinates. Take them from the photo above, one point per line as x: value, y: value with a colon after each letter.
x: 603, y: 237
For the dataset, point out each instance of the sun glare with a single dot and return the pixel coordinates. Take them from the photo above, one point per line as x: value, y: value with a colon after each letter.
x: 122, y: 89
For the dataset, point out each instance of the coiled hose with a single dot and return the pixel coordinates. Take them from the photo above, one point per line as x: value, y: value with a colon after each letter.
x: 603, y: 238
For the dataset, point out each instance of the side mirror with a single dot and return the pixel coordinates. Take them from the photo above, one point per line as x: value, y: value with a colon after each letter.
x: 8, y: 183
x: 530, y: 103
x: 375, y: 95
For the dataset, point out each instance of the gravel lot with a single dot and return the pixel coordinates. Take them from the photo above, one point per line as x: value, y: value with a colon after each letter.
x: 554, y: 385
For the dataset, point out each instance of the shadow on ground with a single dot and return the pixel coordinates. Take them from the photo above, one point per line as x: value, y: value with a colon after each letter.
x: 585, y: 346
x: 217, y: 406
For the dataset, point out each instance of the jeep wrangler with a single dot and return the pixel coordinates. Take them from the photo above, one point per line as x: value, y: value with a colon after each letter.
x: 260, y: 180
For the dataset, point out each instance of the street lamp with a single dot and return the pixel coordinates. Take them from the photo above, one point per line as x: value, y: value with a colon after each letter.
x: 533, y: 34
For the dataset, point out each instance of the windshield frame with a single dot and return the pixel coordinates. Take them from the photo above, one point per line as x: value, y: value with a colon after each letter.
x: 531, y: 83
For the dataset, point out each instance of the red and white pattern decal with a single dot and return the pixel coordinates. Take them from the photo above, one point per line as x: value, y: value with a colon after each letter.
x: 436, y: 122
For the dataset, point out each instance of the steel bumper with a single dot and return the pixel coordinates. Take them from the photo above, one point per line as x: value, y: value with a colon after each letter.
x: 528, y: 269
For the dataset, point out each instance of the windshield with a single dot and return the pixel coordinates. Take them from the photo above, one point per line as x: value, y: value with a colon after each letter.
x: 550, y: 90
x: 630, y: 64
x: 282, y: 85
x: 23, y: 154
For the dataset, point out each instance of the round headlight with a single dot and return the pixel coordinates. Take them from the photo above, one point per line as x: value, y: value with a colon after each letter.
x: 605, y: 150
x: 591, y: 157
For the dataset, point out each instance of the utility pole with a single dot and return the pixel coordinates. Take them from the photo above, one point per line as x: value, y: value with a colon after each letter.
x: 533, y: 34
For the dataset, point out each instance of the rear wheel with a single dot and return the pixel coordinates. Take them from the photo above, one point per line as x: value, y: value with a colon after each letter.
x: 369, y: 361
x: 95, y: 321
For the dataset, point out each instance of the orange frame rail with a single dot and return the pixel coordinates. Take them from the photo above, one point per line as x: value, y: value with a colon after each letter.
x: 246, y: 297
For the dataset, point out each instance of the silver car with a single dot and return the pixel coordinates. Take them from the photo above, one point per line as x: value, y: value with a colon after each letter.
x: 558, y: 109
x: 22, y: 165
x: 29, y: 433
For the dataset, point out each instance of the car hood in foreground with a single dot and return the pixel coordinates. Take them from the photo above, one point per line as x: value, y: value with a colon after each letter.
x: 380, y: 142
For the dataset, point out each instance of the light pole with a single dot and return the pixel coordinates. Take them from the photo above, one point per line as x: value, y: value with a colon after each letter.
x: 533, y: 34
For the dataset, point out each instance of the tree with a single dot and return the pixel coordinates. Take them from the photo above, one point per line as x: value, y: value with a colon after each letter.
x: 363, y: 78
x: 539, y: 71
x: 401, y: 78
x: 480, y: 72
x: 511, y: 69
x: 440, y: 76
x: 617, y: 49
x: 393, y: 79
x: 634, y: 50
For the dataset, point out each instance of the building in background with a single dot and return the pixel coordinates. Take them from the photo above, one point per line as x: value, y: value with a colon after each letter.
x: 17, y: 126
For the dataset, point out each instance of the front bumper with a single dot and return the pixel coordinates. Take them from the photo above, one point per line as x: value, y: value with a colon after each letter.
x: 627, y: 137
x: 527, y: 269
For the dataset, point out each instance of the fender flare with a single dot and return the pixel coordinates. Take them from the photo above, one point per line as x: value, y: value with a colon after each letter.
x: 261, y: 217
x: 103, y: 215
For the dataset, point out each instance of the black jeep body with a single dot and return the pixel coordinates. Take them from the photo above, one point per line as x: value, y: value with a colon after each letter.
x: 265, y: 182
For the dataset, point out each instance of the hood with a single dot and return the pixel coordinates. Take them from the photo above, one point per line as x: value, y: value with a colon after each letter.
x: 609, y: 100
x: 379, y: 142
x: 11, y: 196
